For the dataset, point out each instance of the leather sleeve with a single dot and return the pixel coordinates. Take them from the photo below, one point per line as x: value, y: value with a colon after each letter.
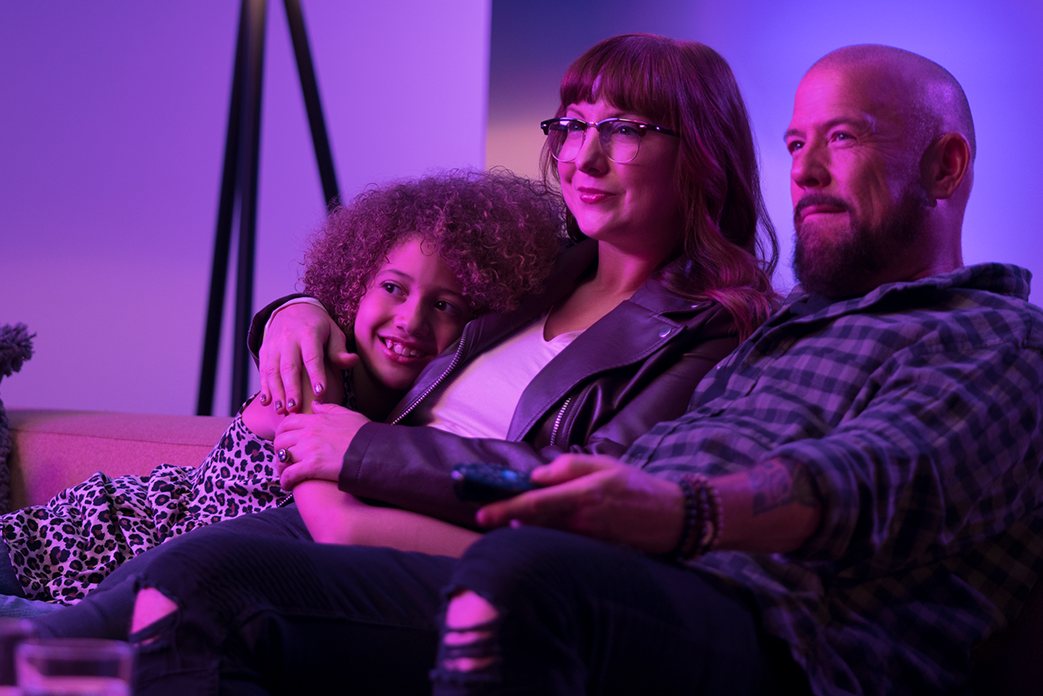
x: 409, y: 466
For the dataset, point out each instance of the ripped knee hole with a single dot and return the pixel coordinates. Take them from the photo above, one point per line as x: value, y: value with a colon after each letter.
x: 153, y: 611
x: 468, y: 642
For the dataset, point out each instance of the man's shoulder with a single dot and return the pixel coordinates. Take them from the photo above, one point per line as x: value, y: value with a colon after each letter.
x: 998, y: 294
x: 979, y: 304
x: 996, y: 280
x: 973, y: 306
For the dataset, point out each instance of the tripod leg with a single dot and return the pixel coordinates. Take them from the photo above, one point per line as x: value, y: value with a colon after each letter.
x: 249, y: 157
x: 310, y: 88
x: 223, y: 233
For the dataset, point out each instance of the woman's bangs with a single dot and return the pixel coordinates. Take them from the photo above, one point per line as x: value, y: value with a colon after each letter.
x: 629, y: 85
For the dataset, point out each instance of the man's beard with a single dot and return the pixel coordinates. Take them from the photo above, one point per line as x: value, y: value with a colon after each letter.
x: 849, y: 262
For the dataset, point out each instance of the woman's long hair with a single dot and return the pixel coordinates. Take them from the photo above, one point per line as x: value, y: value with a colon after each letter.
x: 729, y: 245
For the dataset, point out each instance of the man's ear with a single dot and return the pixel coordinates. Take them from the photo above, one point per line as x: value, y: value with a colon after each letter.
x: 945, y: 165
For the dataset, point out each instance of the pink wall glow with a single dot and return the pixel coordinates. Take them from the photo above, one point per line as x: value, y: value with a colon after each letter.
x: 112, y: 130
x: 112, y: 122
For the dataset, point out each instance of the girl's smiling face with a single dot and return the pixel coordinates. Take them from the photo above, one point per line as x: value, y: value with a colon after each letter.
x: 413, y: 309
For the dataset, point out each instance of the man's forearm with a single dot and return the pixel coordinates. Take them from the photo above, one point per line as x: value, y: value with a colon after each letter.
x: 771, y: 508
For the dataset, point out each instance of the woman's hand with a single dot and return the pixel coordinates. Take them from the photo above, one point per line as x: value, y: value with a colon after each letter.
x: 312, y: 446
x: 599, y: 497
x: 300, y: 335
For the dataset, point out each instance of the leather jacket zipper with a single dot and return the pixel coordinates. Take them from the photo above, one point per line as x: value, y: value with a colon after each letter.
x: 557, y: 421
x: 441, y: 378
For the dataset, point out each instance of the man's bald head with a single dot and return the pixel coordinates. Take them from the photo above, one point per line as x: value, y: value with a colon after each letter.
x: 882, y: 143
x: 935, y: 100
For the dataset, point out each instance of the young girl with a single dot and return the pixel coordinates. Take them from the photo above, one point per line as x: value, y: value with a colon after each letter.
x: 404, y: 267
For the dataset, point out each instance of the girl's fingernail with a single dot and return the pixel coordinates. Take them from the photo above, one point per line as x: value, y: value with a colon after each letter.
x: 291, y: 404
x: 319, y: 388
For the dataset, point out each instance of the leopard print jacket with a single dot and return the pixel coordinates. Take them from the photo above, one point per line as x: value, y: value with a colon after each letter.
x: 63, y: 549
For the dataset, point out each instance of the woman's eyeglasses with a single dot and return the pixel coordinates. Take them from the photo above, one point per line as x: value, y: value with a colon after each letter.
x: 620, y: 137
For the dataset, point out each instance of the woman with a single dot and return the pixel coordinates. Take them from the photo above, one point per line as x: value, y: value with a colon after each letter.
x: 667, y: 197
x: 667, y: 194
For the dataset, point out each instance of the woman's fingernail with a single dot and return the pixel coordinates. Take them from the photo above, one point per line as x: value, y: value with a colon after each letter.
x: 319, y: 388
x: 265, y: 399
x: 278, y: 407
x: 291, y: 404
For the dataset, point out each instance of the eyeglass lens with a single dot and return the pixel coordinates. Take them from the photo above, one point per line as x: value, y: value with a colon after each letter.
x: 620, y: 140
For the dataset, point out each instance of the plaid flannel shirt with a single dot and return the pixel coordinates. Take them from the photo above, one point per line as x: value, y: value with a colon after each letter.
x: 917, y: 409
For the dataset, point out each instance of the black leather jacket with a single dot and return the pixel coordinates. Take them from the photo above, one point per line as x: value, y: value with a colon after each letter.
x: 635, y: 367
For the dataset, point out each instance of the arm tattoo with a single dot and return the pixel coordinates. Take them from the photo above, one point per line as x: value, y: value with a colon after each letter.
x: 776, y: 484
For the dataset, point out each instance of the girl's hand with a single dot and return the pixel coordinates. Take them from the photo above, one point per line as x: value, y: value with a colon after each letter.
x: 299, y: 339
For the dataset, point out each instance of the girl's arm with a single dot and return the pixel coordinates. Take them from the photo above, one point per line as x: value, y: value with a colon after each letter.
x: 335, y: 517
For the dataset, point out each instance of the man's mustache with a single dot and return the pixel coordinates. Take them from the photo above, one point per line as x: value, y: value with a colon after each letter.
x: 818, y: 199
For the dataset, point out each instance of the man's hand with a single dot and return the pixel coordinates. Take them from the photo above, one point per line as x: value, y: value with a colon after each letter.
x: 314, y: 444
x: 598, y: 497
x: 300, y: 338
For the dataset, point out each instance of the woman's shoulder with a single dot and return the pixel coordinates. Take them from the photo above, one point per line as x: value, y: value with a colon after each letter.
x: 662, y: 297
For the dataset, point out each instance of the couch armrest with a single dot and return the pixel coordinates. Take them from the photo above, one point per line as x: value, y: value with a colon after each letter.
x: 54, y: 449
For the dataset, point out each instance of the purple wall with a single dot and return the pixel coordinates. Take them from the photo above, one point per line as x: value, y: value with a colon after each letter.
x: 112, y: 126
x: 112, y: 120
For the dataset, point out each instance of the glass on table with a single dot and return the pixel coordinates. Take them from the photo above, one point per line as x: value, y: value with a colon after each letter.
x: 12, y: 632
x: 73, y: 667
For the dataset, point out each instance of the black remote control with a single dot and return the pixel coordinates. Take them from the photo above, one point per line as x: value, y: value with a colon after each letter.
x: 480, y: 482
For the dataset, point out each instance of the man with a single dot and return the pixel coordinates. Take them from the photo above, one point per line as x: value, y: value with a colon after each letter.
x: 856, y: 492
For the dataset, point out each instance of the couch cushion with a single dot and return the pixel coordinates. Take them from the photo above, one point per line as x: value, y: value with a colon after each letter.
x: 54, y: 449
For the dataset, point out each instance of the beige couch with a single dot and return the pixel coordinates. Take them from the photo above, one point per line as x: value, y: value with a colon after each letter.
x: 54, y: 449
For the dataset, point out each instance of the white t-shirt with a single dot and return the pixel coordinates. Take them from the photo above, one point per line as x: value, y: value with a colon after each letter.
x: 480, y: 402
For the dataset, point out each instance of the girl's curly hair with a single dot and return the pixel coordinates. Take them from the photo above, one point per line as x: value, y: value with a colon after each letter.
x: 498, y: 232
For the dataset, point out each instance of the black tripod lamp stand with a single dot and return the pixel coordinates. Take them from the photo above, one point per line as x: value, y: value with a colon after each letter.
x: 239, y: 189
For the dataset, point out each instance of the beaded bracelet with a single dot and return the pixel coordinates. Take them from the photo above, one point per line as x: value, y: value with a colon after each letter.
x: 703, y: 519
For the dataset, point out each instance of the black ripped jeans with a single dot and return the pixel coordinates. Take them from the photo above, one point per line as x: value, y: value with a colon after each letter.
x: 261, y: 615
x: 106, y: 612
